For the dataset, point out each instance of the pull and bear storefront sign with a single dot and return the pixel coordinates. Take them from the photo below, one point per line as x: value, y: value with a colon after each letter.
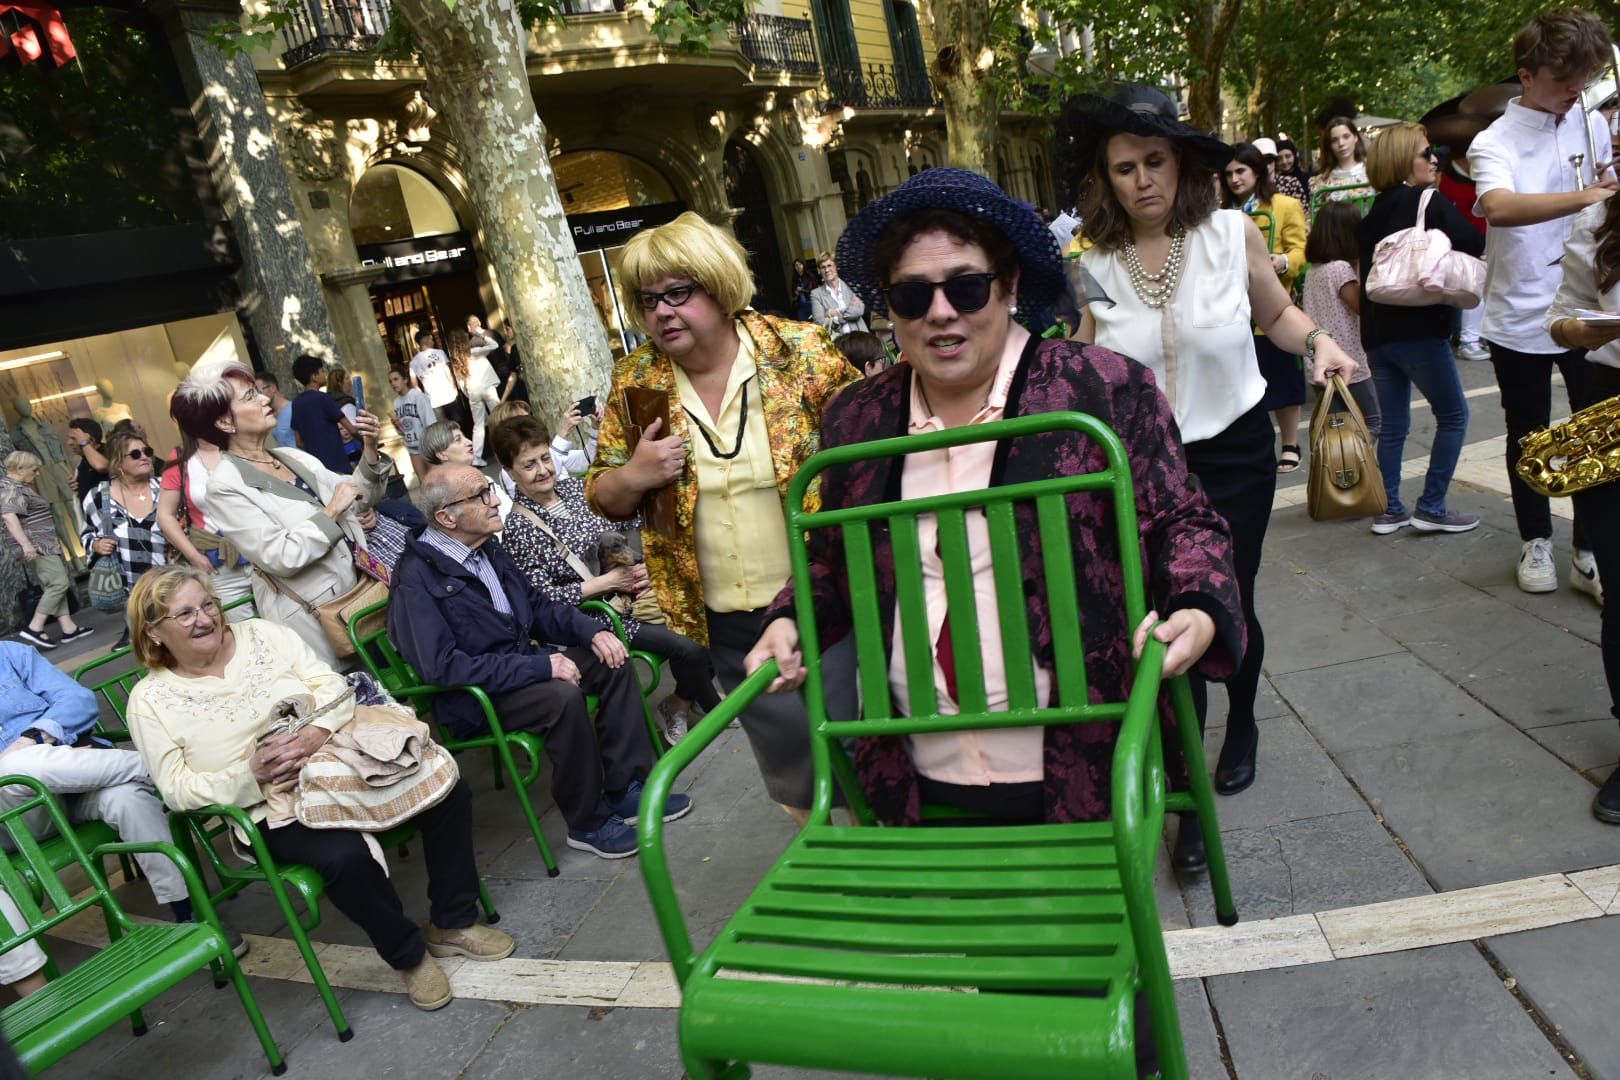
x: 452, y: 253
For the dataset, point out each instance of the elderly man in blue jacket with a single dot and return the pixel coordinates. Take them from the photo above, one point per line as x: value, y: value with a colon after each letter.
x: 45, y: 718
x: 463, y: 614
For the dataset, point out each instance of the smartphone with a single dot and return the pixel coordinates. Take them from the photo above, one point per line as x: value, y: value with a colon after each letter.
x: 586, y: 406
x: 357, y: 384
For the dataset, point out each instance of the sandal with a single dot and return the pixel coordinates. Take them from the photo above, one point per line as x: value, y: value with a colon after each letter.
x: 1290, y: 459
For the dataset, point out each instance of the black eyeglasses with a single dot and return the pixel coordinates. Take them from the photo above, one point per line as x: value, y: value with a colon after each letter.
x: 674, y: 297
x: 966, y: 293
x: 487, y: 494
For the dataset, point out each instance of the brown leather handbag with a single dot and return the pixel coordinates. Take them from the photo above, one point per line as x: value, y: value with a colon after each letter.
x: 1344, y: 481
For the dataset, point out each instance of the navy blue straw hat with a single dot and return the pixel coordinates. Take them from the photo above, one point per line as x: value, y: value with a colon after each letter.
x: 1040, y: 270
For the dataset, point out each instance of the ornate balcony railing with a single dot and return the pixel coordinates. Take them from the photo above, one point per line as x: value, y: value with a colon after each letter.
x: 333, y: 26
x: 775, y: 43
x: 880, y: 87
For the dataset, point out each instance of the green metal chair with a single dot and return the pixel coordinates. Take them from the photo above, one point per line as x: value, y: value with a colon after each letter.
x: 1363, y: 198
x: 200, y: 832
x: 1047, y: 933
x: 1268, y: 227
x: 139, y: 963
x: 369, y: 633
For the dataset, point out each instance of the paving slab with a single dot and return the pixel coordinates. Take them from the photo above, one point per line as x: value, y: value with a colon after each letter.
x: 1483, y: 807
x: 1568, y: 973
x: 1433, y: 1013
x: 542, y: 915
x: 1381, y: 582
x: 392, y: 1037
x: 1199, y: 1036
x: 1294, y: 779
x: 1298, y: 867
x: 1307, y: 628
x: 1589, y: 745
x: 1381, y: 701
x: 583, y: 1044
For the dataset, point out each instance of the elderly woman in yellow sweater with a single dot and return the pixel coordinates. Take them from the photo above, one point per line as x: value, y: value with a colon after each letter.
x: 196, y: 720
x: 1248, y: 186
x: 745, y: 395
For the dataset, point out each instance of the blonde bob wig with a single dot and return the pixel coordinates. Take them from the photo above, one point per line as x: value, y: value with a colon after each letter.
x: 687, y: 247
x: 150, y: 600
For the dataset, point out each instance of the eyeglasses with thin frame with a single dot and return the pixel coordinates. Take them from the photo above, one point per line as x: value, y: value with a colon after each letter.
x: 187, y: 617
x: 487, y: 494
x: 966, y: 293
x: 674, y: 296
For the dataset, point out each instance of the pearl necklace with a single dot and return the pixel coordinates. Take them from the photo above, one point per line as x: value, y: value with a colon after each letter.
x: 1156, y: 289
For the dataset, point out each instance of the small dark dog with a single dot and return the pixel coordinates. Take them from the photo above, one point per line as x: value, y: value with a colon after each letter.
x: 616, y: 549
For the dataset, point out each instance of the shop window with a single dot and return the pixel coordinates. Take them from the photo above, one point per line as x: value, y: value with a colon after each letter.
x: 594, y: 180
x: 840, y: 57
x: 392, y: 203
x: 910, y: 63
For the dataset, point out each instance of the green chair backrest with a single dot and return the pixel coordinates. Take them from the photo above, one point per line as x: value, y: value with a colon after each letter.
x: 113, y: 690
x: 368, y: 631
x: 1000, y: 505
x: 1363, y: 197
x: 53, y: 893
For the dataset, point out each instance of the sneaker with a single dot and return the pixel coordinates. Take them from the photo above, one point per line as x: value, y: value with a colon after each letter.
x: 1450, y: 521
x: 1606, y: 806
x: 123, y: 640
x: 1536, y: 571
x: 1583, y: 576
x: 1473, y: 350
x: 1384, y: 524
x: 76, y: 634
x: 613, y: 839
x: 37, y: 638
x: 233, y: 938
x: 427, y: 985
x: 481, y: 943
x: 676, y: 721
x: 628, y: 805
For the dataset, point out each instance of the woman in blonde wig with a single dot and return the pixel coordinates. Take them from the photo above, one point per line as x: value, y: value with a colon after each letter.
x: 746, y: 392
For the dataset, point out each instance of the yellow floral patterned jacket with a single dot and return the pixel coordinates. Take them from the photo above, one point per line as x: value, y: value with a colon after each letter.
x: 799, y: 372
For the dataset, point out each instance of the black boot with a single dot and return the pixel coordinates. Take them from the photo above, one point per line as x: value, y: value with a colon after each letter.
x: 1188, y: 855
x: 1606, y: 807
x: 1234, y: 771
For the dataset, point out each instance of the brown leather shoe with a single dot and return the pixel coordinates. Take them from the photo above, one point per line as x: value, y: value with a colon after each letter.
x: 427, y: 985
x: 474, y: 942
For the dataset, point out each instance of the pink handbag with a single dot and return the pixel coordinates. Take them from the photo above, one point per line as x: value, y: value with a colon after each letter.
x: 1416, y: 267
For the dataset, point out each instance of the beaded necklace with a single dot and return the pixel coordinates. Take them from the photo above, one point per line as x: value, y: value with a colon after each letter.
x: 1156, y: 290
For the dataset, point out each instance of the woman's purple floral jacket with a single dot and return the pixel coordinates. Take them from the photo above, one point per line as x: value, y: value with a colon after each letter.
x: 1186, y: 550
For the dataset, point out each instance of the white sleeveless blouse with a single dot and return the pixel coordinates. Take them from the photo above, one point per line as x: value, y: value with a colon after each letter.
x: 1200, y: 346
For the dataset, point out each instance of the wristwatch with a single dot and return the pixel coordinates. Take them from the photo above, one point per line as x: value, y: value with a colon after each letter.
x: 1310, y: 341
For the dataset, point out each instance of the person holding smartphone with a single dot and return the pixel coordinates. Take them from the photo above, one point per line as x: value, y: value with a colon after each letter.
x: 572, y: 459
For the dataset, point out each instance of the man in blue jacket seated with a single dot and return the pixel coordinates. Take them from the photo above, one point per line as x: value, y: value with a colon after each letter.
x: 464, y: 615
x: 46, y: 724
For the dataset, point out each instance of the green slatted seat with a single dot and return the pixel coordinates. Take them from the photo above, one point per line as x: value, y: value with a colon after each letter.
x: 989, y: 953
x: 139, y: 962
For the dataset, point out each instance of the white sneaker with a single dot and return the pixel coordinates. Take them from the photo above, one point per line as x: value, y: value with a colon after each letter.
x: 1536, y: 571
x: 1473, y: 350
x: 1583, y: 575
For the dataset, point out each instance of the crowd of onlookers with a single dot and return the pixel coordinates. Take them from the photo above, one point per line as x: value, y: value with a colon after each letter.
x: 675, y: 521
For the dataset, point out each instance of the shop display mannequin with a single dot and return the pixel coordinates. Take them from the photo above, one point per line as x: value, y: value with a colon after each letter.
x: 109, y: 412
x: 41, y: 440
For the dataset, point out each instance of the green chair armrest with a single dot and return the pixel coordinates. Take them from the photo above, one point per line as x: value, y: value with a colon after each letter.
x: 203, y: 906
x: 650, y: 826
x: 654, y: 662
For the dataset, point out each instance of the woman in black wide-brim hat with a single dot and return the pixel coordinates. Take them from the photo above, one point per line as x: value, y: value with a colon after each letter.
x: 1185, y: 281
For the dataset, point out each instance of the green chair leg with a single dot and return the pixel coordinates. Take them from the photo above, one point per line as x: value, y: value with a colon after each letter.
x: 491, y: 916
x: 317, y: 975
x: 503, y: 760
x: 500, y: 774
x: 1203, y: 800
x: 250, y: 1005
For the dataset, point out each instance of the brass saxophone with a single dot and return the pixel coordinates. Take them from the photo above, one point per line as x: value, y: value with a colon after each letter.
x: 1580, y: 453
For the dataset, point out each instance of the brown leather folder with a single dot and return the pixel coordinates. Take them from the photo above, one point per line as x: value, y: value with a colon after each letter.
x: 642, y: 406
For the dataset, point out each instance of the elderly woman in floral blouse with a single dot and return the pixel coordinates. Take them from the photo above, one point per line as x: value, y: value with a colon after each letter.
x: 554, y: 537
x: 746, y: 393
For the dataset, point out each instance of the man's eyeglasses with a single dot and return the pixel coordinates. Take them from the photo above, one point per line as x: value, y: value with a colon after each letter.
x: 187, y: 617
x: 966, y: 293
x: 674, y: 297
x: 487, y: 494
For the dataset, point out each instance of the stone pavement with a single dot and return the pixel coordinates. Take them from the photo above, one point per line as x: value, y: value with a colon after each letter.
x: 1426, y: 728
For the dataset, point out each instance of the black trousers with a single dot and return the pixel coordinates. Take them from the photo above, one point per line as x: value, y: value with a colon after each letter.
x: 1238, y: 471
x: 688, y: 662
x: 586, y: 759
x: 1600, y: 507
x: 358, y: 887
x: 1525, y: 380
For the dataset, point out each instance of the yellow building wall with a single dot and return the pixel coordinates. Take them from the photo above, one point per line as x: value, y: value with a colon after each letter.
x: 872, y: 32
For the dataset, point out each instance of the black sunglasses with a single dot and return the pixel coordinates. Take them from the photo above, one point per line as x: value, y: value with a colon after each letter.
x: 966, y: 293
x: 1428, y: 151
x: 139, y: 453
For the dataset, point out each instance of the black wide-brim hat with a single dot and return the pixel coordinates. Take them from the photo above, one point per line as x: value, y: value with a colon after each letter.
x: 1088, y: 120
x: 1040, y: 271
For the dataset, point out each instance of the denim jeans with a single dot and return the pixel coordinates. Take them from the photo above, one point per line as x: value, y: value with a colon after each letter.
x: 1428, y: 364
